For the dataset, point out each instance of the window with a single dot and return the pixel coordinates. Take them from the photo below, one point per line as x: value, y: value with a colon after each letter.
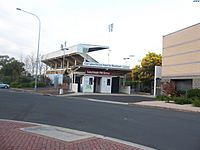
x: 108, y: 82
x: 90, y: 81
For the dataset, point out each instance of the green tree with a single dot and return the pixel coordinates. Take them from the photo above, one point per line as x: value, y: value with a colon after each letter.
x: 4, y: 59
x: 142, y: 75
x: 12, y: 70
x: 136, y: 72
x: 148, y: 66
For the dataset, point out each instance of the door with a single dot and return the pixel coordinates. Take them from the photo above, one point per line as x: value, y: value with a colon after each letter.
x: 88, y: 84
x: 97, y: 85
x: 115, y: 85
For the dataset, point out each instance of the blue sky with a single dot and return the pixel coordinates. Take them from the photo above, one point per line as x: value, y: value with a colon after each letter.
x: 138, y: 25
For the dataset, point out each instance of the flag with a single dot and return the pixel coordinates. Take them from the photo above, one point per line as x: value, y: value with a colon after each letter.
x: 110, y: 27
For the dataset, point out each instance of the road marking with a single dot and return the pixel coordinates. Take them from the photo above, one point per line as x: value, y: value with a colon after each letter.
x: 106, y: 101
x: 98, y: 100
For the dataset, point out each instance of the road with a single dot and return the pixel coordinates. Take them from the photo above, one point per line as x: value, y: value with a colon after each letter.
x: 116, y: 97
x: 156, y: 128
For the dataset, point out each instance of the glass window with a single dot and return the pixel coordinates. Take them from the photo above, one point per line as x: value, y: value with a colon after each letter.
x: 90, y: 81
x: 108, y: 82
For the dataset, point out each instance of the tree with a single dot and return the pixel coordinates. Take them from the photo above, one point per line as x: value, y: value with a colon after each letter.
x: 136, y: 72
x: 144, y: 74
x: 148, y: 66
x: 4, y: 59
x: 29, y: 62
x: 13, y: 69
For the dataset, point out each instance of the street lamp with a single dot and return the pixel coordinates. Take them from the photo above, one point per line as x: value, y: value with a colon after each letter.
x: 38, y: 47
x: 128, y: 58
x: 125, y: 59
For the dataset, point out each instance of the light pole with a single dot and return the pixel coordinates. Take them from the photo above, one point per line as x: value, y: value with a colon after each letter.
x: 38, y: 47
x: 128, y: 58
x: 125, y: 60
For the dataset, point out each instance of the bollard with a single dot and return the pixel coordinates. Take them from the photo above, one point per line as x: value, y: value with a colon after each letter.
x: 61, y: 91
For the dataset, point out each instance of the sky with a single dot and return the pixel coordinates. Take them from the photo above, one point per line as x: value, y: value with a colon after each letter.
x: 139, y: 26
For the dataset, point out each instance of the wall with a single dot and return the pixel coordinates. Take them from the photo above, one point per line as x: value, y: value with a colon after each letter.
x: 75, y: 87
x: 181, y: 53
x: 104, y: 87
x: 196, y: 83
x: 125, y: 89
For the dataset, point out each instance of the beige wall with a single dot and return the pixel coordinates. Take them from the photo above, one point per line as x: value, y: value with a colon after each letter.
x: 181, y: 53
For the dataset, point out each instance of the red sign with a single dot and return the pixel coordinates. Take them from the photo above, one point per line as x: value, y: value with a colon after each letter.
x: 97, y: 72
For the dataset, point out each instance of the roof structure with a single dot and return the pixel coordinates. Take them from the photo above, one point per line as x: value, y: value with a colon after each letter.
x: 76, y: 53
x: 78, y: 59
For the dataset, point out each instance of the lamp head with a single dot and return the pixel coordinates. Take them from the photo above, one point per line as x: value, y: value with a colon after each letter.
x: 19, y: 9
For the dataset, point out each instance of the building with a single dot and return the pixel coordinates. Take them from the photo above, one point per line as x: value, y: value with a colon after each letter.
x: 181, y: 58
x: 82, y: 73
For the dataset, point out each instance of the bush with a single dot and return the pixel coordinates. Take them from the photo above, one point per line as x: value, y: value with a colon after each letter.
x: 39, y: 84
x: 15, y: 85
x: 24, y: 79
x: 182, y: 100
x: 193, y: 93
x: 25, y: 85
x: 196, y: 102
x: 181, y: 92
x: 169, y: 88
x: 163, y: 98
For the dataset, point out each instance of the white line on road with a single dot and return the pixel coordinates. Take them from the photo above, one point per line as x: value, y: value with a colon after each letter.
x: 105, y: 101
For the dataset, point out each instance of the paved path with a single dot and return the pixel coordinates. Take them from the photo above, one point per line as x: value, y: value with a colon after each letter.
x: 163, y: 104
x: 13, y: 138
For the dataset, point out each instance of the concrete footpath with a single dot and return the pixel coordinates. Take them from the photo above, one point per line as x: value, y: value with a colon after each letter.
x: 163, y: 104
x: 16, y: 135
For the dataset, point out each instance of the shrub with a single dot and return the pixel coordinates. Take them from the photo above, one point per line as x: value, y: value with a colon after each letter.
x: 39, y: 84
x: 169, y: 88
x: 182, y: 100
x: 181, y: 92
x: 25, y: 85
x: 24, y: 79
x: 196, y: 102
x: 193, y: 93
x: 163, y: 98
x: 14, y: 85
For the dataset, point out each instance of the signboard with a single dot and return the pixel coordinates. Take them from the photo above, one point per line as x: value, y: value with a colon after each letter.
x: 98, y: 72
x: 105, y: 65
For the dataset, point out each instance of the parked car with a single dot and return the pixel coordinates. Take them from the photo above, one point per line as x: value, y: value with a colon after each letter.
x: 5, y: 86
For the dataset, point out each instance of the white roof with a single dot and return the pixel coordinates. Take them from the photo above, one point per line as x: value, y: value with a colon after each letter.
x: 80, y: 48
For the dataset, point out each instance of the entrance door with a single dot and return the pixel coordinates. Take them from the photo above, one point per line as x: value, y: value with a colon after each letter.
x: 88, y: 84
x: 97, y: 84
x: 78, y: 81
x: 115, y: 85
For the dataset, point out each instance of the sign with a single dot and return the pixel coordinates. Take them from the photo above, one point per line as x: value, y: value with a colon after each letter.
x: 98, y: 72
x: 105, y: 65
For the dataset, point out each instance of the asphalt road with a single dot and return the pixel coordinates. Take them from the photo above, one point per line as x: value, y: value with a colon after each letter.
x: 116, y: 98
x: 157, y: 128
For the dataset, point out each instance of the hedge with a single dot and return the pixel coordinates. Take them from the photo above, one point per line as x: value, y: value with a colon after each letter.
x: 193, y: 93
x: 27, y: 85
